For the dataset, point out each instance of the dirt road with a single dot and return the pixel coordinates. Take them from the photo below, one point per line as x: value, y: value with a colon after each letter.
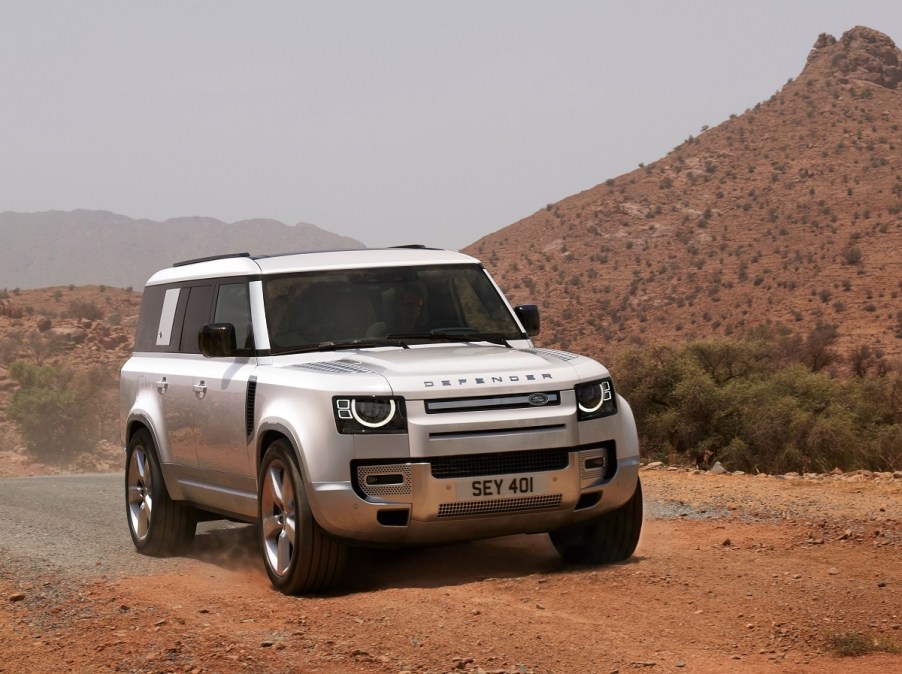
x: 733, y: 573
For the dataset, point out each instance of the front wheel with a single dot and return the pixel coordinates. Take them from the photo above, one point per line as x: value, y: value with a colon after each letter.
x: 158, y: 525
x: 299, y: 556
x: 608, y: 538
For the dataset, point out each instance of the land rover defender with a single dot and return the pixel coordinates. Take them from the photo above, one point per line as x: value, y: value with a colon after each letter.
x: 366, y: 397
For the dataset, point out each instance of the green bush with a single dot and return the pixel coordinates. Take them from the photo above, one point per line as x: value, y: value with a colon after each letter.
x: 762, y: 402
x: 53, y: 409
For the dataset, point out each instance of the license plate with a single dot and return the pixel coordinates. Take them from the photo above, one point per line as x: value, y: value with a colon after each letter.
x: 506, y: 486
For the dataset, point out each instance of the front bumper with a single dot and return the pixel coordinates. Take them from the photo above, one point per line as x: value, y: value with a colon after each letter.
x: 416, y: 501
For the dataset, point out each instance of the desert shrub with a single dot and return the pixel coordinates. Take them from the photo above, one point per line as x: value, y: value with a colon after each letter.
x: 886, y: 447
x: 38, y: 347
x: 7, y: 309
x: 855, y: 644
x: 757, y: 403
x: 673, y: 395
x: 864, y: 359
x: 794, y: 419
x: 84, y: 309
x: 9, y: 349
x: 817, y: 349
x: 55, y: 409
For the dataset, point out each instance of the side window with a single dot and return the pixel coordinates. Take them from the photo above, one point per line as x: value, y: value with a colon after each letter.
x: 233, y: 306
x: 160, y: 319
x: 197, y: 314
x: 146, y: 334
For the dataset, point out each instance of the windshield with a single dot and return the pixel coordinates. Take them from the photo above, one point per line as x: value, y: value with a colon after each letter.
x: 382, y: 306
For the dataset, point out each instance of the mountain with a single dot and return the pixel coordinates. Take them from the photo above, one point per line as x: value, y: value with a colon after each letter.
x: 98, y: 247
x: 790, y: 212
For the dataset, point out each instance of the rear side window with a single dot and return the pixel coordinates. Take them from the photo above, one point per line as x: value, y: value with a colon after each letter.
x: 154, y: 332
x: 197, y: 314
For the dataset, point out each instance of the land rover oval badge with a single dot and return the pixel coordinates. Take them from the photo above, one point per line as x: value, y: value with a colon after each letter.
x: 538, y: 399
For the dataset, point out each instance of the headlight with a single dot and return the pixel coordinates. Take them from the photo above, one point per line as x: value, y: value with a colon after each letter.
x: 595, y: 399
x: 369, y: 414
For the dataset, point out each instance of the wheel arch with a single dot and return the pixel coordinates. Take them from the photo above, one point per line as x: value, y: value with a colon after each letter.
x: 269, y: 433
x: 273, y: 431
x: 137, y: 422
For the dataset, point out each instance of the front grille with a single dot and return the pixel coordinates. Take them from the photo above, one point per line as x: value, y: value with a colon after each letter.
x: 498, y: 506
x: 504, y: 463
x: 500, y: 402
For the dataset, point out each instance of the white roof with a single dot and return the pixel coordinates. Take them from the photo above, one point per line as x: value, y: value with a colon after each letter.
x: 314, y: 261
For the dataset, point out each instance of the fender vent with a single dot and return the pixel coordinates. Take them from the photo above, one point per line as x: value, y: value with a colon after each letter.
x: 560, y: 355
x: 336, y: 367
x: 249, y: 402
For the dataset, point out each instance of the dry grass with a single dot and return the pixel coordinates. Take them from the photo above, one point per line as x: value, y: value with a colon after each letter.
x: 854, y: 644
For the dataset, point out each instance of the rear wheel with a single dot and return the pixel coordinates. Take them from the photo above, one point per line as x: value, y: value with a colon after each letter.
x: 609, y: 538
x: 158, y: 525
x: 299, y: 556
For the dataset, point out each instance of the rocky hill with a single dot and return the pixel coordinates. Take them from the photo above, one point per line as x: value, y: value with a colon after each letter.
x: 93, y: 247
x: 789, y: 212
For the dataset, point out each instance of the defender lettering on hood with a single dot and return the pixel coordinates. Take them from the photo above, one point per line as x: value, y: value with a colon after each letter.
x: 494, y: 379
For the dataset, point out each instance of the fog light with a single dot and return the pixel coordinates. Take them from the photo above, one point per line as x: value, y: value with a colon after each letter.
x: 595, y: 463
x: 380, y: 480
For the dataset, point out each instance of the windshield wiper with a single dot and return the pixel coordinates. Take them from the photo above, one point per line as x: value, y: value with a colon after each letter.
x: 493, y: 337
x: 363, y: 343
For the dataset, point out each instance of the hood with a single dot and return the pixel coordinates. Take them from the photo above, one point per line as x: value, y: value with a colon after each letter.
x: 441, y: 370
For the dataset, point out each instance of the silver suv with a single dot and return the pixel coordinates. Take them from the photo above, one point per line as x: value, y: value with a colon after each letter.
x: 387, y: 397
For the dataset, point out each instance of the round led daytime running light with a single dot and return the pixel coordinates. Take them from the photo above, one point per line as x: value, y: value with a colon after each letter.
x: 590, y: 410
x: 370, y: 424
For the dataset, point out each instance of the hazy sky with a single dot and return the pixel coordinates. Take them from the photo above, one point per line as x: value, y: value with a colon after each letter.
x: 388, y: 121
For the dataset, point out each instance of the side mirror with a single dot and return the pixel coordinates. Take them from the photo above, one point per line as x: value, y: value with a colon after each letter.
x: 529, y: 317
x: 217, y: 340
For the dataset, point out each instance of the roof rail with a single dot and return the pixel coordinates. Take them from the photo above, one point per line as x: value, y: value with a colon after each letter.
x: 418, y: 246
x: 263, y: 256
x: 210, y: 258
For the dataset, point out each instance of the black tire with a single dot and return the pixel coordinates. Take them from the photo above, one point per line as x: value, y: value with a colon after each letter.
x: 158, y: 525
x: 298, y: 555
x: 609, y: 538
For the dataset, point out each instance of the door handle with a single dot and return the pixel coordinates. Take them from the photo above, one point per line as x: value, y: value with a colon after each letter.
x: 162, y: 385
